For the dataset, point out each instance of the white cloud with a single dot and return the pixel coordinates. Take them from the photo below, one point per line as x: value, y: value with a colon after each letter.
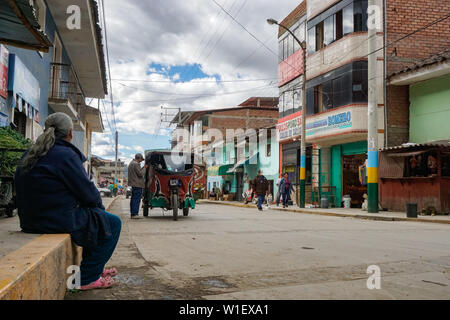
x: 173, y: 32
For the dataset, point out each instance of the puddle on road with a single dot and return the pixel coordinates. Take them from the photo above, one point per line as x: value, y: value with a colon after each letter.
x: 130, y: 279
x: 216, y: 283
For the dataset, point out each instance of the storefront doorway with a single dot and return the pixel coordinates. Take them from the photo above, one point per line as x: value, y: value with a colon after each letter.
x: 352, y: 184
x: 345, y: 162
x: 239, y: 185
x: 20, y: 122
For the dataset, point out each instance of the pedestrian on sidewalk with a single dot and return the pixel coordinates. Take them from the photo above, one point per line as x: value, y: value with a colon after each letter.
x: 278, y: 195
x: 261, y: 186
x: 136, y: 179
x: 54, y: 195
x: 286, y: 188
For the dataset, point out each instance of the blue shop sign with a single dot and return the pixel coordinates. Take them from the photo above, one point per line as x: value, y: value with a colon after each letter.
x: 22, y: 82
x: 339, y: 118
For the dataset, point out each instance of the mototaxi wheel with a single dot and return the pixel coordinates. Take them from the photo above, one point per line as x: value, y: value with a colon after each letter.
x: 175, y: 206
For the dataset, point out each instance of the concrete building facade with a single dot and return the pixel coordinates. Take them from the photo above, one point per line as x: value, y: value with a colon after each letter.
x: 56, y: 79
x: 233, y: 170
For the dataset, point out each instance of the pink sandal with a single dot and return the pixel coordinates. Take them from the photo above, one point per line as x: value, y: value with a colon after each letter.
x: 112, y: 272
x: 101, y: 283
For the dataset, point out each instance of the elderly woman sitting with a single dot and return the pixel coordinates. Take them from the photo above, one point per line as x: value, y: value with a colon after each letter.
x: 55, y: 195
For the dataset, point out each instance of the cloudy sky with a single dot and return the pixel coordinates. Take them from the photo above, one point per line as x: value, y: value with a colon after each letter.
x: 183, y: 54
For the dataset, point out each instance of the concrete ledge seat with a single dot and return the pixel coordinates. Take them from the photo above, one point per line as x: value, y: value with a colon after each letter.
x: 38, y: 270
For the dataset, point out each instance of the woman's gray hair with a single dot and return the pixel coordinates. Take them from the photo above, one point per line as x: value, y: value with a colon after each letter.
x: 57, y: 126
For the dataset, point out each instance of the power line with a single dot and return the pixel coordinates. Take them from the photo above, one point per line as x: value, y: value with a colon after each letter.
x: 195, y: 94
x: 251, y: 34
x: 384, y: 46
x: 192, y: 81
x: 198, y: 96
x: 250, y: 55
x: 226, y: 28
x: 106, y: 115
x: 109, y: 67
x: 198, y: 53
x: 410, y: 34
x: 216, y: 30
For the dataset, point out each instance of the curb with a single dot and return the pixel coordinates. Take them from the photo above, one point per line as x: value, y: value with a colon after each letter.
x: 37, y: 271
x: 332, y: 214
x: 111, y: 203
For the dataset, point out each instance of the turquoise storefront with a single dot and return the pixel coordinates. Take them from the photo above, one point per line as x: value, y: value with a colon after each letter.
x: 345, y: 162
x: 339, y: 170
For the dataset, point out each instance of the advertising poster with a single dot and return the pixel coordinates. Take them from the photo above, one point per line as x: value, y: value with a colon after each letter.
x: 3, y: 71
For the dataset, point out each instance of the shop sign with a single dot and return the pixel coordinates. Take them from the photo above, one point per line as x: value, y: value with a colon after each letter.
x: 326, y: 122
x: 24, y: 84
x: 289, y: 128
x: 3, y: 71
x: 337, y: 121
x: 289, y: 169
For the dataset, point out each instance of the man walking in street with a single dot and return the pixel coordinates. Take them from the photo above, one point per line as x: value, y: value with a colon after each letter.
x: 261, y: 185
x: 136, y: 180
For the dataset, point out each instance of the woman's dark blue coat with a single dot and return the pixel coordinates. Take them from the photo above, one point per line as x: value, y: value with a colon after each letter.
x: 56, y: 196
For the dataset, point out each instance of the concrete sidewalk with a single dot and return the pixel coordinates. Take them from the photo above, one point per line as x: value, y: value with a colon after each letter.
x: 342, y: 212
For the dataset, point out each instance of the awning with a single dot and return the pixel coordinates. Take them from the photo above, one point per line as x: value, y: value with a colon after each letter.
x: 25, y: 88
x: 407, y: 154
x: 219, y: 170
x: 19, y: 27
x: 242, y: 162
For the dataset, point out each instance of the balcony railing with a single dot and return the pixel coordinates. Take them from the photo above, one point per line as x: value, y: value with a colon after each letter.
x: 64, y: 84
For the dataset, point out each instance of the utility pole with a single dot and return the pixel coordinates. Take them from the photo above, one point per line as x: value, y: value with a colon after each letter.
x: 303, y: 141
x: 167, y: 115
x: 372, y: 120
x: 302, y: 44
x: 117, y: 142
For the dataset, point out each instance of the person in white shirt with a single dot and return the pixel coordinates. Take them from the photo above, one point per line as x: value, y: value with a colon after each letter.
x: 278, y: 196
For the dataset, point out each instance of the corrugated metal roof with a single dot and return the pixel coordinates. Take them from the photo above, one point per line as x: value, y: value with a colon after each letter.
x: 19, y: 27
x: 435, y: 58
x: 406, y: 146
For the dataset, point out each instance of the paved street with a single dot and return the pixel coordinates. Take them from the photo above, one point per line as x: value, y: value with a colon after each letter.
x: 224, y: 252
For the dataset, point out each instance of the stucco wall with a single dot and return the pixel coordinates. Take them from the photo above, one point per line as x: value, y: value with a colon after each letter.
x: 430, y: 110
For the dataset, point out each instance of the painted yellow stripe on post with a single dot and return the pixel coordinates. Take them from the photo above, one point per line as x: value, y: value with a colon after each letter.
x: 372, y: 175
x: 302, y: 173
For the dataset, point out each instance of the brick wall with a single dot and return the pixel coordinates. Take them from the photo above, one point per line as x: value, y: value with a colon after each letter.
x: 397, y: 115
x: 243, y: 118
x: 405, y: 16
x: 293, y: 17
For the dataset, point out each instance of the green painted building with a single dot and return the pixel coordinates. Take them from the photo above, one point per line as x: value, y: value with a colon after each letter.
x: 430, y: 110
x: 234, y: 173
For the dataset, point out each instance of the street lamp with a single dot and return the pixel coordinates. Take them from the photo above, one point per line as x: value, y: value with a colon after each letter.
x: 302, y: 44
